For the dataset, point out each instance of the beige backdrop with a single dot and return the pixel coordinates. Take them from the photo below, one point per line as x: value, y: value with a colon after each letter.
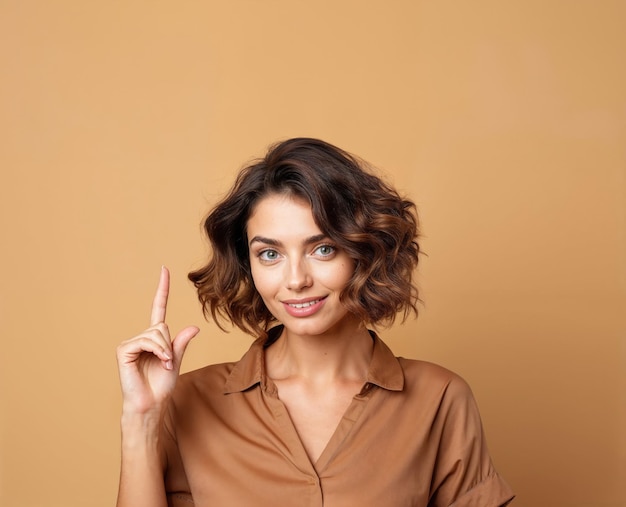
x: 122, y: 121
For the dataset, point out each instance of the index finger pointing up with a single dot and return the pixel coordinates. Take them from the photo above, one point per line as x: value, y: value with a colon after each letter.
x: 159, y: 304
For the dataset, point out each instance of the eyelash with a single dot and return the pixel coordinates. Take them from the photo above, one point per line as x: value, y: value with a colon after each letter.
x: 262, y: 255
x: 333, y: 249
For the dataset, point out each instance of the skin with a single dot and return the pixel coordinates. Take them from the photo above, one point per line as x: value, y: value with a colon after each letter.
x: 149, y: 364
x: 293, y: 262
x: 320, y: 360
x: 318, y: 363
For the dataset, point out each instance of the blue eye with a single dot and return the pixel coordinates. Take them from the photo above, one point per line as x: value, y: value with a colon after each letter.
x: 325, y: 250
x: 268, y: 255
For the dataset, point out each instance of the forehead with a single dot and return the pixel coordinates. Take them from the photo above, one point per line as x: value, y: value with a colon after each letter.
x: 279, y: 215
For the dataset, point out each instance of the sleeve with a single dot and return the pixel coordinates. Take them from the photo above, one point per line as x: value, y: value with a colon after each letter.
x: 179, y: 500
x: 464, y: 475
x: 175, y: 479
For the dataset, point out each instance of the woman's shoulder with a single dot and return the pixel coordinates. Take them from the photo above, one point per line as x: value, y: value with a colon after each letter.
x: 414, y: 377
x: 203, y: 387
x: 211, y: 375
x: 428, y: 376
x: 423, y: 368
x: 227, y: 377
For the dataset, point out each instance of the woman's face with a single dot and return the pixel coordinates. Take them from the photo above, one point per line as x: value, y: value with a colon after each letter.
x: 297, y: 270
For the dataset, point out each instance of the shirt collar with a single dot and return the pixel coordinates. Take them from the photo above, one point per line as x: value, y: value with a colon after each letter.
x: 248, y: 371
x: 384, y: 369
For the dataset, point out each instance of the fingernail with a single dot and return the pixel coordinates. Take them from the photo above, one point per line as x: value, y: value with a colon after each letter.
x: 169, y: 365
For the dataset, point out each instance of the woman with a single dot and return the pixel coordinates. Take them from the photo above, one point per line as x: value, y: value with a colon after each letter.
x: 307, y: 250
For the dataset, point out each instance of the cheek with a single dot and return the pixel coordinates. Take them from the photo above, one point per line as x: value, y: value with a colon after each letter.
x: 341, y: 274
x: 262, y: 281
x: 257, y: 279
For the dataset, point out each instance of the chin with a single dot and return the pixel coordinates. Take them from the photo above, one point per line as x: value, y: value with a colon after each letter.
x: 315, y: 328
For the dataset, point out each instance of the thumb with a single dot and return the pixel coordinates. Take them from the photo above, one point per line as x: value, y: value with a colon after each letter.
x: 180, y: 342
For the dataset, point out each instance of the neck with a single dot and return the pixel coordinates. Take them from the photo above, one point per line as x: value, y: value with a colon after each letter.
x: 337, y: 356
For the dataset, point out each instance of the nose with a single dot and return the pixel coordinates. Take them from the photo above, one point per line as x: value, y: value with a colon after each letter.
x: 298, y: 276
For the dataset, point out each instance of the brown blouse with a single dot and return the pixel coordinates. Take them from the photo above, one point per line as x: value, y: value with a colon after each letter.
x: 411, y: 437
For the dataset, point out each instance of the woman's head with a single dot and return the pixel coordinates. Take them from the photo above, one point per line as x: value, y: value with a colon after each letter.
x: 359, y: 212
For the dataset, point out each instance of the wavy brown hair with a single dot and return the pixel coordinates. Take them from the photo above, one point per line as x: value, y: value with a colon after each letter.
x: 363, y: 215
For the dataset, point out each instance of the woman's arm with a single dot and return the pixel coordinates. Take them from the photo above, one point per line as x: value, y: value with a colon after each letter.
x: 148, y: 365
x: 141, y: 475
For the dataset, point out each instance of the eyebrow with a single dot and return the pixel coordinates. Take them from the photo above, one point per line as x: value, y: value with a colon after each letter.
x: 275, y: 242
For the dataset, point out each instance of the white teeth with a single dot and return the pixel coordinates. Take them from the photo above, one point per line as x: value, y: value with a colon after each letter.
x: 304, y: 305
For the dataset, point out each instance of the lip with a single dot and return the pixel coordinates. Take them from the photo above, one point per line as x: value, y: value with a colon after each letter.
x: 303, y: 307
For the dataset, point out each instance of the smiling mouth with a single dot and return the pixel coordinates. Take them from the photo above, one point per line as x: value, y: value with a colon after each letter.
x: 304, y: 305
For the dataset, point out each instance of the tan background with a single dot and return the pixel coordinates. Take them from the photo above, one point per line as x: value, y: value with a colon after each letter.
x: 122, y: 121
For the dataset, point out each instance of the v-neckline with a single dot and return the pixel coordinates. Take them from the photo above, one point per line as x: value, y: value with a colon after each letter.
x: 337, y: 437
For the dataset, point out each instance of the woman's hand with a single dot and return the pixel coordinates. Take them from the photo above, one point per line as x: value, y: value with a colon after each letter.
x: 149, y: 363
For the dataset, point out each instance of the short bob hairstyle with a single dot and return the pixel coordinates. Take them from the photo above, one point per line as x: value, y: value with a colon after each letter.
x: 357, y: 210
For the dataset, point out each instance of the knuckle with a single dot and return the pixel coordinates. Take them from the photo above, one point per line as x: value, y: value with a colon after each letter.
x: 163, y: 328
